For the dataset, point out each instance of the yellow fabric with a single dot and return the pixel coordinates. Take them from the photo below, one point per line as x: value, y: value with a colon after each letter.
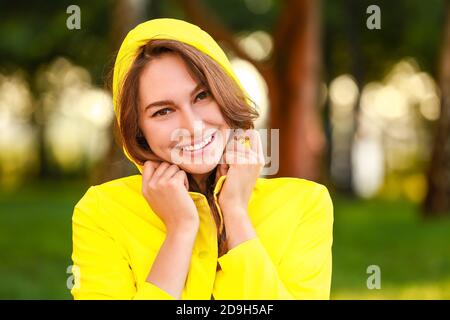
x: 116, y: 235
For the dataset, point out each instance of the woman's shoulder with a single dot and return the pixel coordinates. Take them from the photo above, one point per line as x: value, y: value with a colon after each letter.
x: 292, y: 198
x: 130, y: 183
x: 115, y: 202
x: 117, y: 190
x: 282, y: 208
x: 289, y: 187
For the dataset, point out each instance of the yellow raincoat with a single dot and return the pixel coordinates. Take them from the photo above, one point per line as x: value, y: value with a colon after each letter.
x: 116, y: 235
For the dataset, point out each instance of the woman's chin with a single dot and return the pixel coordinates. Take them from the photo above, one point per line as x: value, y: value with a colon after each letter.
x: 200, y: 168
x: 199, y: 164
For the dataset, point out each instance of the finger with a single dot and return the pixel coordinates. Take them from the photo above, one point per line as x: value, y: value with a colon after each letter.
x: 169, y: 173
x: 237, y: 157
x: 181, y: 176
x: 159, y: 171
x: 228, y: 156
x: 147, y: 172
x: 243, y: 142
x: 257, y: 141
x: 153, y: 163
x: 240, y: 142
x: 231, y: 156
x: 251, y: 144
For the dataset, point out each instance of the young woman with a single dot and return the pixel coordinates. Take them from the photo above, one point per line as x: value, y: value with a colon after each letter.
x: 198, y: 223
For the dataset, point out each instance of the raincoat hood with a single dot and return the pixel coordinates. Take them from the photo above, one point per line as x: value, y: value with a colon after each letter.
x: 164, y: 28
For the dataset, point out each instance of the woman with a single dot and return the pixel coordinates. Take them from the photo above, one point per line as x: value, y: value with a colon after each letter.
x: 198, y: 223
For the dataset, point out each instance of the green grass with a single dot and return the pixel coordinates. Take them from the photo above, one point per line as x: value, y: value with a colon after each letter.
x: 414, y: 256
x: 35, y: 240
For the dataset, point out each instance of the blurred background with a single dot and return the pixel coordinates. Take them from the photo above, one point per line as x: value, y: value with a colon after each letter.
x: 361, y: 96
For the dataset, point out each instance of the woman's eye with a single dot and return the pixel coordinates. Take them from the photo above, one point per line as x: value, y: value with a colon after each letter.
x: 202, y: 95
x: 160, y: 112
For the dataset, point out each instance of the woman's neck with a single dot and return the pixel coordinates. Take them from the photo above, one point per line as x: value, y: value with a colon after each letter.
x: 201, y: 179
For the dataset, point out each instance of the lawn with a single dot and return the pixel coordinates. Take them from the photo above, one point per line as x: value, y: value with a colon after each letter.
x: 413, y: 256
x: 35, y: 240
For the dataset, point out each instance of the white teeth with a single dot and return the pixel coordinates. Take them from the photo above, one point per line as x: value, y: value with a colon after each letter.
x: 198, y: 145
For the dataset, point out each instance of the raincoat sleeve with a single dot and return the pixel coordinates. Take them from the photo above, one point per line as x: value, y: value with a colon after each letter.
x: 304, y: 271
x: 101, y: 270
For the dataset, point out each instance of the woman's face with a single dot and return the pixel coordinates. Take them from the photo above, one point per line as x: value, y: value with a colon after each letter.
x: 179, y: 118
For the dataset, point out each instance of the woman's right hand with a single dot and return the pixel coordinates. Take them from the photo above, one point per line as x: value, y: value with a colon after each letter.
x: 165, y: 187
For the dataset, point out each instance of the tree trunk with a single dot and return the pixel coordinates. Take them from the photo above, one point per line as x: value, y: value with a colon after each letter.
x: 297, y: 63
x: 437, y: 201
x: 345, y: 183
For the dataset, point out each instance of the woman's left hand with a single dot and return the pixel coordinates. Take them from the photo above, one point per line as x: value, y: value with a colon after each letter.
x: 242, y: 163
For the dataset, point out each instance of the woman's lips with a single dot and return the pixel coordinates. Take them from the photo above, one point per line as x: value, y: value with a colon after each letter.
x: 199, y: 151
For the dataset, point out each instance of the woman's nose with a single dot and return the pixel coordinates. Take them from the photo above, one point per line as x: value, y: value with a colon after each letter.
x: 191, y: 121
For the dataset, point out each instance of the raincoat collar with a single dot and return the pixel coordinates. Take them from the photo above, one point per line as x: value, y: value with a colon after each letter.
x: 200, y: 197
x: 197, y: 195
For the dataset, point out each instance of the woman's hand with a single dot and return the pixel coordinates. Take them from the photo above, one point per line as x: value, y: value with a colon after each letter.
x: 165, y: 187
x: 242, y: 163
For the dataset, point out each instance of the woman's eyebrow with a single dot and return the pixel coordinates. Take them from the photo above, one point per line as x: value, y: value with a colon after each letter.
x: 170, y: 102
x: 198, y: 86
x: 159, y: 104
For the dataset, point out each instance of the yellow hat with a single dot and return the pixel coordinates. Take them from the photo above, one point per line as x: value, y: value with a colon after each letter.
x: 164, y: 28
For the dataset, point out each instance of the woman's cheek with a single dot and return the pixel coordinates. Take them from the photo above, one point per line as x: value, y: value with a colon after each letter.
x: 155, y: 143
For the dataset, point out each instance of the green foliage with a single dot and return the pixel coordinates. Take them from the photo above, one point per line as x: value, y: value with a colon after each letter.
x: 408, y: 28
x: 34, y: 33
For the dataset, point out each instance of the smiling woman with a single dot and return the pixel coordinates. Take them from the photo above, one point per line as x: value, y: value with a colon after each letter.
x: 203, y: 94
x: 195, y: 229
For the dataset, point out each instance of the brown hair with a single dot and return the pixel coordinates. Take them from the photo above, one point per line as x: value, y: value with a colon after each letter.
x: 233, y: 104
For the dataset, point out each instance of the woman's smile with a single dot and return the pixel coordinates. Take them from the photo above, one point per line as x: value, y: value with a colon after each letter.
x: 199, y: 152
x: 195, y: 148
x: 198, y: 145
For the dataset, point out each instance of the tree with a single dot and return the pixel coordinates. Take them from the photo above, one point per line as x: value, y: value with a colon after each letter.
x: 437, y: 201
